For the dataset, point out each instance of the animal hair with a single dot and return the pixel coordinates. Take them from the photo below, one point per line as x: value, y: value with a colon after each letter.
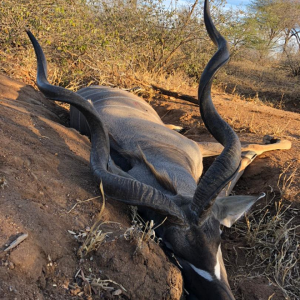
x: 186, y: 161
x: 162, y: 176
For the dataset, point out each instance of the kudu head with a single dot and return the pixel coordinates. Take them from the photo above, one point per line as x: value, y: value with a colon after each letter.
x: 192, y: 230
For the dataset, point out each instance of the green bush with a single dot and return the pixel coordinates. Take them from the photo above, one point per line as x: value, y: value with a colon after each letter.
x: 102, y: 41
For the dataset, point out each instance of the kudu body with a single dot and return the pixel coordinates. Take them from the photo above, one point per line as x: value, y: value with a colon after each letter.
x: 140, y: 142
x: 142, y: 162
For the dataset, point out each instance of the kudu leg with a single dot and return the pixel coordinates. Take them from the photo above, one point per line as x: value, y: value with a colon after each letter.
x: 249, y: 153
x: 270, y: 144
x: 212, y: 149
x: 247, y: 159
x: 174, y: 127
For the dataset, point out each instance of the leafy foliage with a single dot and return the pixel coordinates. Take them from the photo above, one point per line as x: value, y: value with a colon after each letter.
x: 88, y: 41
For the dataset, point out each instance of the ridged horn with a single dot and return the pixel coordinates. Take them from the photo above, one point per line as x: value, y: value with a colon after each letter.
x: 227, y: 164
x: 115, y: 187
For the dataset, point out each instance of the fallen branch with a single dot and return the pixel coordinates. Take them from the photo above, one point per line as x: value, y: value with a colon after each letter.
x: 175, y: 94
x: 16, y: 242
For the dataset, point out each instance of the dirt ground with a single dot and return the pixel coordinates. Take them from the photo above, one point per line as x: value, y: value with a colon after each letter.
x: 44, y: 173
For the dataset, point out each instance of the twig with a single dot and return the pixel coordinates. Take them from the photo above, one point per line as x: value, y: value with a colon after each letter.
x: 83, y: 201
x: 175, y: 94
x: 16, y: 242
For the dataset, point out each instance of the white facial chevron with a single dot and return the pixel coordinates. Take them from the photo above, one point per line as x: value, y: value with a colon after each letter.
x: 202, y: 273
x: 218, y: 266
x: 206, y: 275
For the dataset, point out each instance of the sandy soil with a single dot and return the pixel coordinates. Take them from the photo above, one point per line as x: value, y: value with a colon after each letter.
x: 44, y: 172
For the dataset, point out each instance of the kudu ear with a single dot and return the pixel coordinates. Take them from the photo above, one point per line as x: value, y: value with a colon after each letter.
x: 227, y: 210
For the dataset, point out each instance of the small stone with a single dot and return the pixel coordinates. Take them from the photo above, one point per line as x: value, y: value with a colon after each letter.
x: 117, y: 292
x: 11, y: 266
x: 3, y: 182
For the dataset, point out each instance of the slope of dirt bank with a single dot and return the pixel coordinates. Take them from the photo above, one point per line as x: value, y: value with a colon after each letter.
x: 44, y: 172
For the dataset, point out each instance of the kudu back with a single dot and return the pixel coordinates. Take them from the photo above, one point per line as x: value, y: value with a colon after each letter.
x: 140, y: 142
x: 142, y: 162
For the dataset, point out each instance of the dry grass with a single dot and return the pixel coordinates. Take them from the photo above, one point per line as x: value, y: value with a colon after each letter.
x: 272, y: 242
x: 91, y: 239
x: 242, y: 123
x: 96, y: 235
x: 265, y: 82
x: 141, y: 231
x: 287, y: 177
x: 116, y: 46
x: 87, y: 283
x: 90, y: 284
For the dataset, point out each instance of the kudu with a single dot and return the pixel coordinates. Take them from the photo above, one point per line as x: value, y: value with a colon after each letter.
x: 142, y: 162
